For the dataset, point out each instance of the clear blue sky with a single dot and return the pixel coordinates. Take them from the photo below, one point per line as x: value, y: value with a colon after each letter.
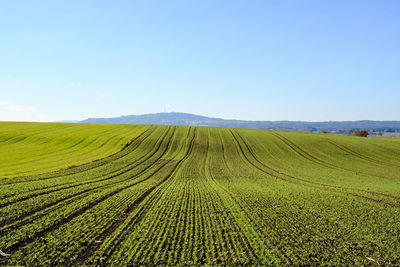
x: 255, y: 60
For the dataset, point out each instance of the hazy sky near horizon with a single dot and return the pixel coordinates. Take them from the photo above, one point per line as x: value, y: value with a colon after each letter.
x: 254, y: 60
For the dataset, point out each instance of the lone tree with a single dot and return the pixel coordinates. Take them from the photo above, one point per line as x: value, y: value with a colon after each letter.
x: 362, y: 133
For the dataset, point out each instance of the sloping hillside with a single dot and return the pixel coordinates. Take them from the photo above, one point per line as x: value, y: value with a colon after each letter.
x: 199, y: 195
x: 29, y: 148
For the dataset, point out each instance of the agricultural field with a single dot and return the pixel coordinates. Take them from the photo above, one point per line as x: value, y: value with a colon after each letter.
x: 30, y: 148
x: 201, y: 196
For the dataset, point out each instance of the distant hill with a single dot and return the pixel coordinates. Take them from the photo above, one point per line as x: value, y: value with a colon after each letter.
x: 177, y: 118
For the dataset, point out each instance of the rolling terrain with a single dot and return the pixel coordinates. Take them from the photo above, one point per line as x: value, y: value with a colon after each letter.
x: 31, y: 148
x: 202, y: 195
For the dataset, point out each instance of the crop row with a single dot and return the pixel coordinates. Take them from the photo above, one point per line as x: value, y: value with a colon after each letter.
x: 32, y: 148
x: 62, y: 213
x: 204, y: 196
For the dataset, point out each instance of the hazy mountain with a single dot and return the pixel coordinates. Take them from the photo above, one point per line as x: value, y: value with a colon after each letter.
x: 176, y: 118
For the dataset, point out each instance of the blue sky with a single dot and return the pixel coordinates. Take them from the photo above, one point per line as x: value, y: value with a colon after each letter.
x: 256, y: 60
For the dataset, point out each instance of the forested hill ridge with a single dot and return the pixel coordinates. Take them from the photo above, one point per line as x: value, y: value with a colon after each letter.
x: 177, y: 118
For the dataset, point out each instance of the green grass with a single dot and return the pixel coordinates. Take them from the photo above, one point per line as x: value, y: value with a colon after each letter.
x: 31, y: 148
x: 198, y: 195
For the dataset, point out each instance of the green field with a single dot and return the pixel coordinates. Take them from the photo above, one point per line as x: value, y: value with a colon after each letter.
x: 198, y: 195
x: 31, y: 148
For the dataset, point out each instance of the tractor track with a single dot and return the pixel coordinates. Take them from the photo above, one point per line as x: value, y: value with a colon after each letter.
x: 360, y: 156
x: 195, y: 196
x: 94, y: 246
x: 91, y: 189
x: 243, y: 240
x: 302, y: 153
x: 136, y: 164
x: 27, y: 242
x: 59, y: 173
x: 320, y: 185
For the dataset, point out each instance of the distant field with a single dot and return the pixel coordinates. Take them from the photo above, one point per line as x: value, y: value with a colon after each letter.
x: 199, y: 195
x: 31, y: 148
